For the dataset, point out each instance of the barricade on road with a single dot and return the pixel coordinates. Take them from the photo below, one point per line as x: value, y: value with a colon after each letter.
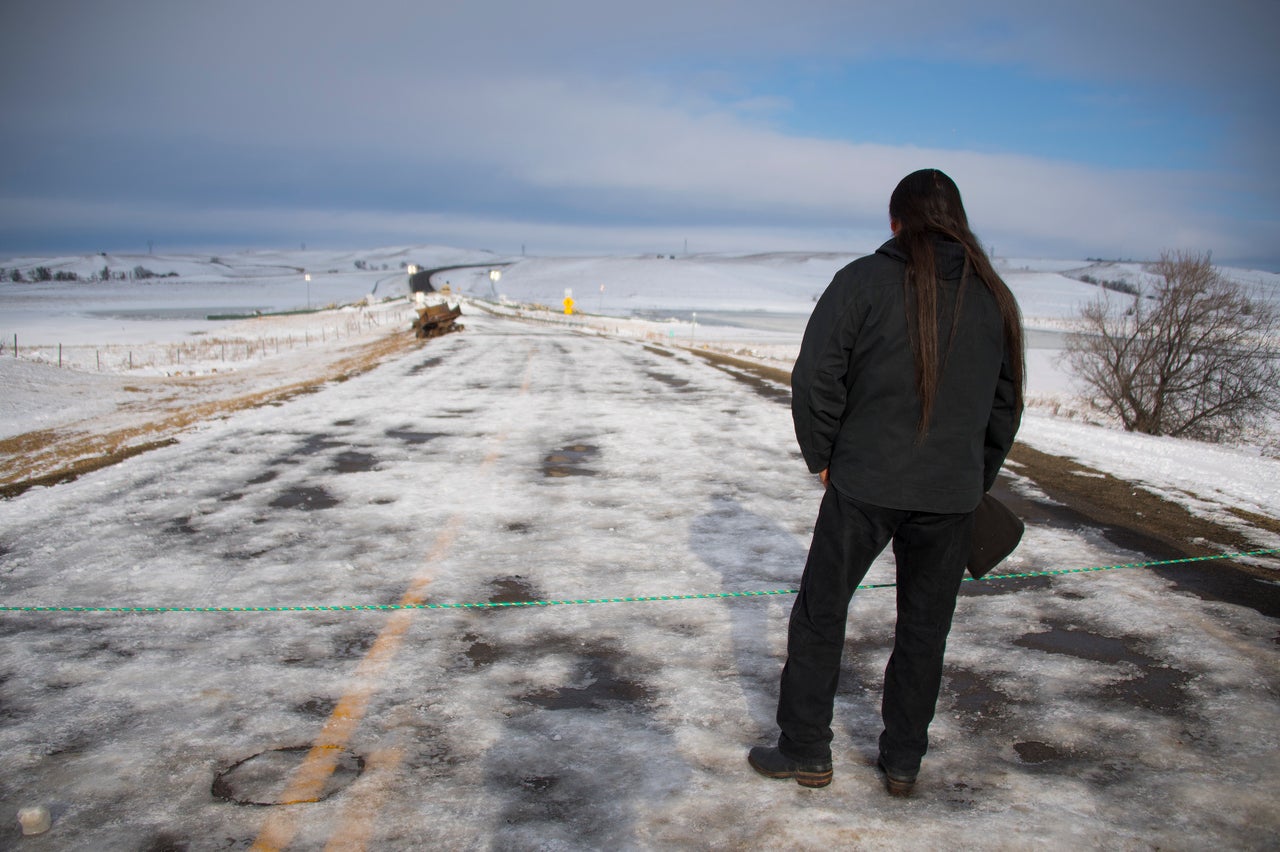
x: 435, y: 320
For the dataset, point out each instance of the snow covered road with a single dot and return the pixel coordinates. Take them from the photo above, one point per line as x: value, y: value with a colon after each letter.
x: 516, y: 462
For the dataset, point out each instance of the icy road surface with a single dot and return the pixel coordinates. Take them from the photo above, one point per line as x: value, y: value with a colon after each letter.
x: 513, y: 462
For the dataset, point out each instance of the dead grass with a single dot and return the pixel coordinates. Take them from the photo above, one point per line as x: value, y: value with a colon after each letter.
x: 773, y: 374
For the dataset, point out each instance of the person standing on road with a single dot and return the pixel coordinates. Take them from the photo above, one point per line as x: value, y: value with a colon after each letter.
x: 906, y: 397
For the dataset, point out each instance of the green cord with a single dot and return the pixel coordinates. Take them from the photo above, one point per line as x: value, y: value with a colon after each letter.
x: 583, y: 601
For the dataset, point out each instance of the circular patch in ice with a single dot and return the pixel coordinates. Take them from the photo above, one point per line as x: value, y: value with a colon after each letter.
x: 288, y: 776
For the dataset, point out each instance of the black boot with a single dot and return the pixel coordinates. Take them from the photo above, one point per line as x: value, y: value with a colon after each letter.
x: 772, y: 763
x: 897, y: 783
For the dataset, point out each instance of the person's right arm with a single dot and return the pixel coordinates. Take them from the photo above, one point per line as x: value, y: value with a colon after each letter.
x: 818, y: 380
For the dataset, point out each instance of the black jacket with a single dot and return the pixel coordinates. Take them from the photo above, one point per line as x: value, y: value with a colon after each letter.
x: 854, y: 398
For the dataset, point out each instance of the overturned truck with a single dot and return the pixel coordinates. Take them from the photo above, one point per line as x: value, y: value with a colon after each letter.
x: 435, y: 320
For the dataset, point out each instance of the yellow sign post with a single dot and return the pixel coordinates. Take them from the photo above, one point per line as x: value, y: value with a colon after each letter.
x: 568, y: 304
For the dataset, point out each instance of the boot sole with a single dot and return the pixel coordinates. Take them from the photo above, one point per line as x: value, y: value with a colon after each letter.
x: 803, y: 778
x: 895, y: 786
x: 898, y: 788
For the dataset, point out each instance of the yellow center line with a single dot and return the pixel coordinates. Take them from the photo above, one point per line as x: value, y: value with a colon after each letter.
x: 308, y: 780
x: 355, y: 828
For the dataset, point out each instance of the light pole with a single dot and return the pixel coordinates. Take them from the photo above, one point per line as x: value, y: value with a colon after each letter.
x: 412, y: 269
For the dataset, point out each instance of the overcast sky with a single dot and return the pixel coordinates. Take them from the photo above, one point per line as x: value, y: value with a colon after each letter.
x: 1074, y: 129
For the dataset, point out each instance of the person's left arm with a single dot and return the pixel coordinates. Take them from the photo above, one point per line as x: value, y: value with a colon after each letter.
x: 1002, y: 424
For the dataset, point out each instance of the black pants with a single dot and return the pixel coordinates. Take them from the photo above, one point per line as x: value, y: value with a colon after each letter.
x: 931, y: 551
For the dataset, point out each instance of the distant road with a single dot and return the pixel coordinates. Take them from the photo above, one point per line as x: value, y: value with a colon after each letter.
x: 420, y: 282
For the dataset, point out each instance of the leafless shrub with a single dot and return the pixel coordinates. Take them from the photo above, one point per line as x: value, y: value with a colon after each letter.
x: 1195, y: 356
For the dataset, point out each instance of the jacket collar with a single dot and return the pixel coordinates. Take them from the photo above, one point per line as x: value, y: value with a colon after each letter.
x: 948, y: 255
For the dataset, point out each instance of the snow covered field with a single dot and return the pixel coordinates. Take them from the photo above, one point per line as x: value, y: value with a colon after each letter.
x: 563, y: 459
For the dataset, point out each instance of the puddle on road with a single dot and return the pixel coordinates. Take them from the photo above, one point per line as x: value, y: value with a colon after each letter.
x: 1097, y: 768
x: 515, y: 589
x: 1086, y: 646
x: 601, y: 694
x: 971, y: 694
x: 669, y: 380
x: 1158, y: 687
x: 313, y: 444
x: 353, y: 646
x: 410, y: 436
x: 539, y: 783
x: 264, y: 778
x: 479, y: 652
x: 245, y: 555
x: 602, y: 686
x: 182, y: 526
x: 305, y: 497
x: 454, y: 413
x: 1034, y: 752
x: 318, y: 707
x: 426, y: 364
x: 569, y: 461
x: 354, y: 461
x: 598, y: 679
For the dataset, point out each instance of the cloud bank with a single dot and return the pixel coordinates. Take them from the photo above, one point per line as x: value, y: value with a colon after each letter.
x: 573, y: 126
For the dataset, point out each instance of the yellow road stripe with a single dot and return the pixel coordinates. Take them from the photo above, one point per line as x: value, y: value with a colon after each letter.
x: 308, y: 780
x: 355, y: 828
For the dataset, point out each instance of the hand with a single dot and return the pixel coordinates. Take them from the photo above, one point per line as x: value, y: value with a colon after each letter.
x: 825, y: 476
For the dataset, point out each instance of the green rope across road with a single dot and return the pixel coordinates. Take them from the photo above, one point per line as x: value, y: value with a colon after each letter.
x: 581, y: 601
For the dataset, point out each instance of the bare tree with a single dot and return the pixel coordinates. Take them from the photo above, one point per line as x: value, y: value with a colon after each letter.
x: 1195, y: 356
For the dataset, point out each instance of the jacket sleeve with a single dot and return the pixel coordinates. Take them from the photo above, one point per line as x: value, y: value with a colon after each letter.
x: 1003, y: 423
x: 818, y: 380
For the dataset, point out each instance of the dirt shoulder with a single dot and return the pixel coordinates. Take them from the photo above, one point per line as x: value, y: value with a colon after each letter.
x: 1107, y: 500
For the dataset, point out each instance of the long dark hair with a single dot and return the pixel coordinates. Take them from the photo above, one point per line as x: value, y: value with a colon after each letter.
x: 926, y: 205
